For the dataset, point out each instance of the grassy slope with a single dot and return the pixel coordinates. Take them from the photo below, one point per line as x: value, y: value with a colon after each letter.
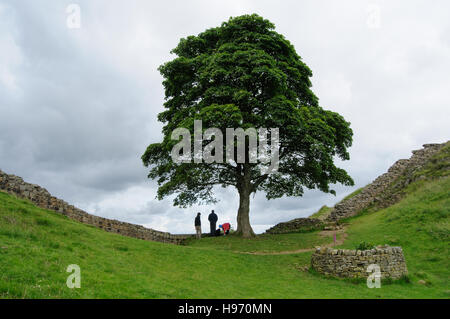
x: 263, y: 242
x: 324, y: 211
x: 36, y: 246
x: 421, y: 225
x: 356, y: 192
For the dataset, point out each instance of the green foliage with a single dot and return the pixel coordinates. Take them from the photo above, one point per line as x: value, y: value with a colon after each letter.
x: 43, y: 222
x: 365, y: 246
x: 244, y: 74
x: 308, y: 229
x: 405, y: 279
x: 421, y: 275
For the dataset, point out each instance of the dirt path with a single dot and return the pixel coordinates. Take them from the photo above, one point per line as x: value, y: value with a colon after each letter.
x: 323, y: 233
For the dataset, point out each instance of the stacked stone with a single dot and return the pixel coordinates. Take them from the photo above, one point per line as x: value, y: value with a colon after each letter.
x: 354, y: 263
x: 296, y: 225
x: 386, y: 189
x: 41, y: 197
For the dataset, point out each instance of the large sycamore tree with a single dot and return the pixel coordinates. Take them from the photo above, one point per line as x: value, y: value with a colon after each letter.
x: 243, y: 74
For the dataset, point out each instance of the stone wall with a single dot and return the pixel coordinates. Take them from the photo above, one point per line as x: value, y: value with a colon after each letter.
x: 296, y: 225
x: 353, y: 263
x: 387, y: 188
x: 41, y: 197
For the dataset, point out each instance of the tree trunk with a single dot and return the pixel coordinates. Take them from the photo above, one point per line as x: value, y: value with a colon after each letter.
x: 243, y: 219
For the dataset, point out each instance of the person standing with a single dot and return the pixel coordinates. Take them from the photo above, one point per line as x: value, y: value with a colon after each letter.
x: 212, y: 222
x: 198, y: 226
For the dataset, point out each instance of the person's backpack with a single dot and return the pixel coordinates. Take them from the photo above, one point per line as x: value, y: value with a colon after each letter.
x: 226, y: 228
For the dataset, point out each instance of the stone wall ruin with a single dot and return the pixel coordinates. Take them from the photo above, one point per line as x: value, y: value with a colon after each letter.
x: 42, y: 198
x: 348, y: 263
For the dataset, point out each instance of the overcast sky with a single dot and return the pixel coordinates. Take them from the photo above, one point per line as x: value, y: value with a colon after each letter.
x: 78, y: 106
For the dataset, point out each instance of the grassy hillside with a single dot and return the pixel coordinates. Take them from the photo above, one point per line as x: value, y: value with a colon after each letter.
x: 264, y: 243
x: 324, y: 211
x: 420, y: 224
x: 37, y: 245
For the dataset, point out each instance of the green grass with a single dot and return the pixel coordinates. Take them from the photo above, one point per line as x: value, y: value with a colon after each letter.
x: 420, y: 224
x: 262, y: 243
x: 322, y: 213
x: 438, y: 165
x: 37, y: 245
x: 353, y: 194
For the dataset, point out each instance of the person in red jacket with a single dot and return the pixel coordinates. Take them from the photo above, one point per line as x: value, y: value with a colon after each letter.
x: 226, y: 228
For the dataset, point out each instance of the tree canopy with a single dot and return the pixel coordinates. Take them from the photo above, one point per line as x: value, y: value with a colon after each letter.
x: 243, y: 74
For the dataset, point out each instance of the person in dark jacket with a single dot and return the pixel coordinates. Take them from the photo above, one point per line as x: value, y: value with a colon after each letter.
x: 212, y: 222
x: 198, y: 226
